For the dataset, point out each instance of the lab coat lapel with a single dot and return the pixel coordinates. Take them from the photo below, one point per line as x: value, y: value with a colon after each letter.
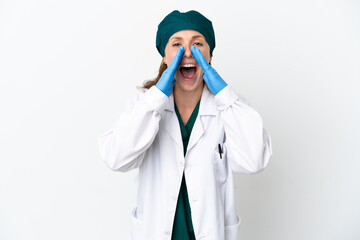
x: 172, y: 122
x: 207, y: 109
x: 196, y: 133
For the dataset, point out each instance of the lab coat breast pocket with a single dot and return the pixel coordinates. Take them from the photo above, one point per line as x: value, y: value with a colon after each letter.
x: 221, y: 164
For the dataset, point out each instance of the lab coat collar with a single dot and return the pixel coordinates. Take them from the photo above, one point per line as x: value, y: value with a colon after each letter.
x: 207, y: 108
x: 207, y: 103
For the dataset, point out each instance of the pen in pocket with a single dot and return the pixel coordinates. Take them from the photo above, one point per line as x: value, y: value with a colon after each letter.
x: 220, y: 151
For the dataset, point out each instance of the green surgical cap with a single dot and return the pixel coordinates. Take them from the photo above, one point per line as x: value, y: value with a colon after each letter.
x: 177, y: 21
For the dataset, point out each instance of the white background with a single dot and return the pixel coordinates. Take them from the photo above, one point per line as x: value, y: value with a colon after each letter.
x: 66, y: 67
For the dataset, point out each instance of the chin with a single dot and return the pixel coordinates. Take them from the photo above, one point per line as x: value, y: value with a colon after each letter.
x: 190, y: 86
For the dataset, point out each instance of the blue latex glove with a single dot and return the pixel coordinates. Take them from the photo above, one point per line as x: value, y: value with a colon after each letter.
x: 167, y: 80
x: 213, y: 80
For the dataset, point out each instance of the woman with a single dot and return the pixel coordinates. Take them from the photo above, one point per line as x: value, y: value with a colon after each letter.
x: 187, y: 132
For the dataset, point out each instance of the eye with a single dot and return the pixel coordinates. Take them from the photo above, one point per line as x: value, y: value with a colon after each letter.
x: 198, y: 44
x: 176, y: 45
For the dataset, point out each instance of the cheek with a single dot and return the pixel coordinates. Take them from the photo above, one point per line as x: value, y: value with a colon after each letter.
x: 168, y: 59
x: 169, y: 55
x: 206, y: 54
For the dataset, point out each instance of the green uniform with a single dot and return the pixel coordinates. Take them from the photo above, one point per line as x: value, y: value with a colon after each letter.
x: 183, y: 228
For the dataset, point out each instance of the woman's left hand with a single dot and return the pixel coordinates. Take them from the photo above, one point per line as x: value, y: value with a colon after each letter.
x: 213, y: 80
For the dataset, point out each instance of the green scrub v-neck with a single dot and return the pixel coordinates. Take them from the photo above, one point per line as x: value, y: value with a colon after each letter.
x: 183, y: 228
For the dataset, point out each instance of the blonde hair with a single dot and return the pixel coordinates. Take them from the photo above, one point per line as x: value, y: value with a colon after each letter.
x: 148, y: 84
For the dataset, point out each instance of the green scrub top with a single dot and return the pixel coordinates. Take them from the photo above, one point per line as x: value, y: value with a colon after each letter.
x: 183, y: 228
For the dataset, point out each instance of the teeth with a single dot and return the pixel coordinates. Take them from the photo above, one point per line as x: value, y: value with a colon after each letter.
x: 188, y: 65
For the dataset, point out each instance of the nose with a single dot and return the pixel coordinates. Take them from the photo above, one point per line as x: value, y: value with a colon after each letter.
x: 187, y: 51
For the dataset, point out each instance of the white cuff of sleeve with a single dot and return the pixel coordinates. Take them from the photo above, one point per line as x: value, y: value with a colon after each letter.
x: 155, y: 99
x: 226, y: 97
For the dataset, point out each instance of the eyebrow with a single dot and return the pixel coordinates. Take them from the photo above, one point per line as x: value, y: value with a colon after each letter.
x: 180, y: 38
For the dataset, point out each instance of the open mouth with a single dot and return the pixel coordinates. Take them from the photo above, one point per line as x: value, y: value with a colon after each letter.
x: 188, y: 71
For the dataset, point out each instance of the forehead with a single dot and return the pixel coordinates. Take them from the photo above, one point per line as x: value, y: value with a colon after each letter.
x: 186, y: 34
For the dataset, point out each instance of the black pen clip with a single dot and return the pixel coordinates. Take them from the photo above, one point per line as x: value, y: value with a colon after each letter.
x: 220, y: 152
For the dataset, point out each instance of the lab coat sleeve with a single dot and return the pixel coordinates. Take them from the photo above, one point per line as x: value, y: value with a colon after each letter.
x: 247, y: 143
x: 123, y: 147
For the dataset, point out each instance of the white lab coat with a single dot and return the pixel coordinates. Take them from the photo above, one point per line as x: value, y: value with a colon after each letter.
x: 147, y: 136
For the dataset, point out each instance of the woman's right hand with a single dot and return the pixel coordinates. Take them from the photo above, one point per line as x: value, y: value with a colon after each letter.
x: 167, y: 80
